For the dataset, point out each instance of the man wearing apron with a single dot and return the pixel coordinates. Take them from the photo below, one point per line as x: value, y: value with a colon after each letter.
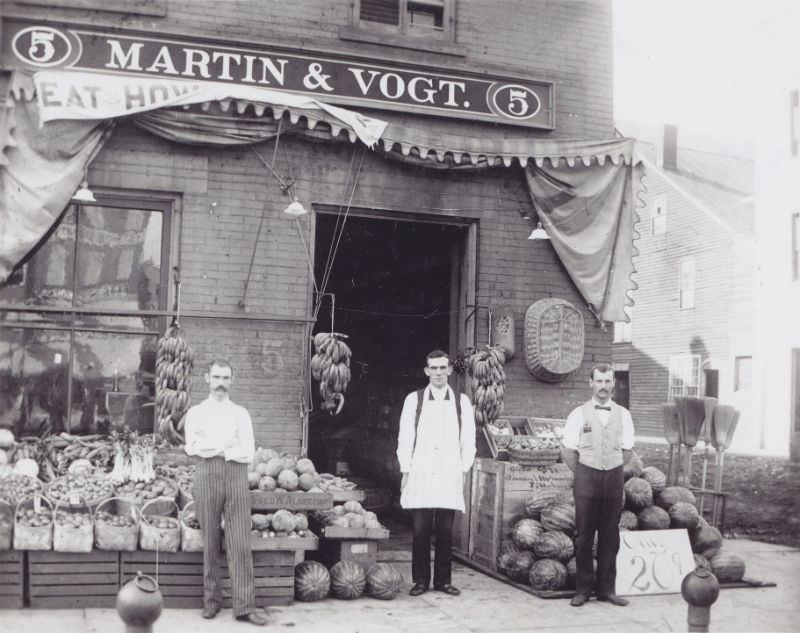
x: 598, y: 440
x: 435, y: 448
x: 220, y: 434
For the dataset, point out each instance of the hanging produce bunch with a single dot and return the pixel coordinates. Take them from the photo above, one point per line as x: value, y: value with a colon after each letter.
x: 173, y: 381
x: 330, y: 365
x: 486, y: 368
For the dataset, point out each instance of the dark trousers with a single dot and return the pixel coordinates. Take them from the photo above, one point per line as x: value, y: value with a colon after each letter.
x: 221, y: 491
x: 598, y: 505
x: 424, y: 520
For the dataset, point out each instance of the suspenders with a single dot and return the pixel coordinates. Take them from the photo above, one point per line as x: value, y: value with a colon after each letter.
x: 420, y: 398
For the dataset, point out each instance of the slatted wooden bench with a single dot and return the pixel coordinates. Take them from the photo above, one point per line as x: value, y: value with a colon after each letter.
x: 12, y: 574
x: 58, y: 580
x: 180, y: 576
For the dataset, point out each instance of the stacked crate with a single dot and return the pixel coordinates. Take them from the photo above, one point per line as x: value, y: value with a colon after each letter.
x: 62, y: 580
x: 12, y: 574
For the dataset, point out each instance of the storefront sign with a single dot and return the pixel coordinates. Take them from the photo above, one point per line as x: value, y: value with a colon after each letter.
x: 332, y: 78
x: 653, y: 561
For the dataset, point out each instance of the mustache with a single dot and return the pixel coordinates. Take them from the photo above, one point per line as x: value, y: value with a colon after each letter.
x: 221, y: 388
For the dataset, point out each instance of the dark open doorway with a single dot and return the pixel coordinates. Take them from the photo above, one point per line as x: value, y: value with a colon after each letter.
x: 397, y: 288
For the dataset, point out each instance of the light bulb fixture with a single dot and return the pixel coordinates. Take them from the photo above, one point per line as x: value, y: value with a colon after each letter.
x: 84, y: 194
x: 295, y: 208
x: 539, y: 233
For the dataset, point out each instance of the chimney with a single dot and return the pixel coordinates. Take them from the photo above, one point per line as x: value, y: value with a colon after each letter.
x: 667, y: 148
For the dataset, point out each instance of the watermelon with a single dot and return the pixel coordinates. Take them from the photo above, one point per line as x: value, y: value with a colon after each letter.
x: 653, y: 518
x: 656, y: 478
x: 554, y: 545
x: 507, y: 550
x: 540, y: 498
x: 348, y: 580
x: 628, y: 520
x: 559, y: 517
x: 519, y: 564
x: 384, y: 581
x: 705, y: 539
x: 525, y: 532
x: 638, y: 494
x: 727, y: 567
x: 672, y: 494
x: 547, y: 574
x: 312, y: 581
x: 634, y: 466
x: 683, y: 515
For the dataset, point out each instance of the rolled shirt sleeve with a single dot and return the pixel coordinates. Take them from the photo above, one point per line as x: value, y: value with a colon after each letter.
x: 405, y: 437
x: 572, y: 430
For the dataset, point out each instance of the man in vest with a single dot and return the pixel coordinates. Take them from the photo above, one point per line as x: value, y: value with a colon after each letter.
x: 435, y: 447
x: 598, y: 440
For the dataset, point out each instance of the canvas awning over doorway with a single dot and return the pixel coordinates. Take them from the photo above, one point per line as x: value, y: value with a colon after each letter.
x: 583, y: 191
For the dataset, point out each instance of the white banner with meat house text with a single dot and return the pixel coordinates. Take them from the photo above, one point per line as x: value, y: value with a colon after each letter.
x: 91, y: 96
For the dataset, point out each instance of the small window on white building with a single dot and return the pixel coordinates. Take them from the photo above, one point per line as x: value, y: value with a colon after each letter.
x: 623, y: 332
x: 687, y: 283
x: 427, y: 18
x: 794, y: 123
x: 684, y: 375
x: 742, y: 373
x: 795, y: 246
x: 658, y: 215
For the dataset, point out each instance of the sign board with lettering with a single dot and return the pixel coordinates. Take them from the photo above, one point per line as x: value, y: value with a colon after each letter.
x: 329, y: 77
x: 653, y: 561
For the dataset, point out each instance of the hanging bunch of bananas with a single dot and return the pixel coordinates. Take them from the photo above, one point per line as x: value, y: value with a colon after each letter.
x: 173, y: 382
x: 488, y: 383
x: 330, y: 365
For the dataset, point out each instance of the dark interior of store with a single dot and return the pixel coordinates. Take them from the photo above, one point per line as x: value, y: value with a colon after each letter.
x: 391, y: 281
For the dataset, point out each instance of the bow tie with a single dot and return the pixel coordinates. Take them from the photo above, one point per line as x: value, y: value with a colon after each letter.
x: 600, y: 406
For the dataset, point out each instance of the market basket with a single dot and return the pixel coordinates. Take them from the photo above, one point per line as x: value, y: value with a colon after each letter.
x: 553, y: 339
x: 116, y: 525
x: 6, y: 525
x: 15, y: 487
x: 191, y: 534
x: 535, y: 457
x: 141, y: 492
x: 73, y: 527
x: 33, y: 523
x: 92, y: 487
x: 159, y: 528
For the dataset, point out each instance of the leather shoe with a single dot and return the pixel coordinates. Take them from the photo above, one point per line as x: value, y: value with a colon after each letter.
x: 449, y: 589
x: 210, y: 612
x: 613, y: 599
x: 253, y: 618
x: 418, y: 589
x: 579, y: 599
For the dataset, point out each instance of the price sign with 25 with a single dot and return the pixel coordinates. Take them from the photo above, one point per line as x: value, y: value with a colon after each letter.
x: 653, y: 561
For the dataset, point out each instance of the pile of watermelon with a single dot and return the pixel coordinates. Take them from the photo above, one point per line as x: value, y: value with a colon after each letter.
x: 346, y: 580
x: 542, y: 547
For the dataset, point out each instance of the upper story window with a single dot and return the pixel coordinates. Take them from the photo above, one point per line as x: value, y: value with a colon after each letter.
x: 432, y: 19
x: 743, y: 373
x: 623, y: 332
x: 687, y: 283
x: 658, y: 215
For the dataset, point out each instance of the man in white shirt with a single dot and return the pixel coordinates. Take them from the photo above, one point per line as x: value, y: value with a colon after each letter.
x: 220, y: 434
x: 435, y: 447
x: 598, y: 440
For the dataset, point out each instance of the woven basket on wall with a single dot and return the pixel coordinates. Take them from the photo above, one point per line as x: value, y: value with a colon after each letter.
x: 554, y: 339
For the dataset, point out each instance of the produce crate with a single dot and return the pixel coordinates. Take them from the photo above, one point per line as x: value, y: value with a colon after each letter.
x: 12, y: 575
x: 180, y: 576
x: 340, y: 496
x: 283, y: 543
x: 339, y: 532
x: 519, y: 425
x: 499, y: 491
x: 61, y: 580
x: 277, y: 500
x: 361, y: 551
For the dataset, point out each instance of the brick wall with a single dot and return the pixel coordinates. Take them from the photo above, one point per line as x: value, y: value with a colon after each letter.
x: 221, y: 194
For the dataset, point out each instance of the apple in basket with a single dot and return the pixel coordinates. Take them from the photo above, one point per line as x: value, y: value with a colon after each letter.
x: 31, y: 518
x: 191, y: 521
x: 72, y: 519
x: 164, y: 523
x: 115, y: 520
